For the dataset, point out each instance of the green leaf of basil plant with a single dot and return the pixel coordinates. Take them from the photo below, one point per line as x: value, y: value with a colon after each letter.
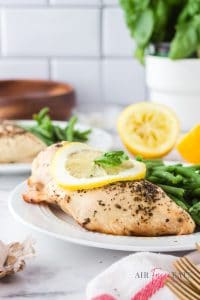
x: 186, y: 40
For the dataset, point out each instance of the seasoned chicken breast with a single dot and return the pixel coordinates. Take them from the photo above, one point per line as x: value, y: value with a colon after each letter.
x: 17, y: 145
x: 137, y: 208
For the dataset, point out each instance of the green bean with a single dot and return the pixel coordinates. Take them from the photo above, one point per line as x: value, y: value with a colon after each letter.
x: 196, y: 192
x: 193, y: 167
x: 43, y: 132
x: 195, y: 212
x: 195, y: 201
x: 46, y: 124
x: 46, y: 140
x: 81, y: 136
x: 153, y: 162
x: 190, y: 185
x: 179, y: 192
x: 181, y: 184
x: 70, y: 129
x: 59, y: 133
x: 186, y: 172
x: 166, y: 176
x: 180, y: 202
x: 40, y: 116
x: 154, y: 179
x: 50, y: 133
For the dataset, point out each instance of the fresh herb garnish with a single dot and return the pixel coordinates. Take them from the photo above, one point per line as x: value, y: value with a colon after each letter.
x: 50, y: 133
x: 181, y: 183
x: 111, y: 159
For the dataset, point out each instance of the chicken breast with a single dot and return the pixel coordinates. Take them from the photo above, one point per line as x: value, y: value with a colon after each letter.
x: 17, y: 145
x: 137, y: 208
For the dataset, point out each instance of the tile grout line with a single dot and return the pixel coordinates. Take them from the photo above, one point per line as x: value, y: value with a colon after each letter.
x: 101, y: 85
x: 1, y: 33
x: 58, y: 57
x: 49, y: 68
x: 48, y: 5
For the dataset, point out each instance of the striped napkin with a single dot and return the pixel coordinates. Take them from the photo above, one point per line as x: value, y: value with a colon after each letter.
x: 139, y: 276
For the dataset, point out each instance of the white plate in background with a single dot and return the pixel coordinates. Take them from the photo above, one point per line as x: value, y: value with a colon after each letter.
x: 53, y: 222
x: 98, y: 138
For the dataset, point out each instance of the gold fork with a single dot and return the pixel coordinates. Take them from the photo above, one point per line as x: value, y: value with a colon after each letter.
x: 189, y: 287
x: 185, y: 266
x: 181, y: 289
x: 198, y: 246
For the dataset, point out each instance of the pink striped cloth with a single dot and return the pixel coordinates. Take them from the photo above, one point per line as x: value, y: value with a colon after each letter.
x: 139, y: 276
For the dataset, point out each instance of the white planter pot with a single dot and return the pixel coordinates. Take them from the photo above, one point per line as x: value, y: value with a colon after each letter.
x: 177, y: 85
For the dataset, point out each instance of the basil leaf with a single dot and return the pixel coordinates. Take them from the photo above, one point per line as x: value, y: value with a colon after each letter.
x: 144, y: 27
x: 111, y: 159
x: 175, y: 22
x: 139, y: 54
x: 186, y: 40
x: 161, y: 15
x: 191, y: 9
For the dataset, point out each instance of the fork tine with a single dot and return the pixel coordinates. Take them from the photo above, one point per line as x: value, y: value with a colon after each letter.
x: 184, y: 281
x: 198, y: 246
x: 185, y: 285
x: 192, y: 266
x: 181, y: 266
x: 179, y: 294
x: 182, y: 291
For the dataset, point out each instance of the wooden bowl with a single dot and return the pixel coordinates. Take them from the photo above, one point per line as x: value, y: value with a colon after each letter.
x: 20, y: 99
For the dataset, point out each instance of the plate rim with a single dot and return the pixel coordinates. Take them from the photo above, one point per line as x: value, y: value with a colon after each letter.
x: 85, y: 242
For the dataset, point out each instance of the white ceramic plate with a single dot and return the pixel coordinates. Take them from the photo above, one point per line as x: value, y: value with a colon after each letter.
x: 54, y: 222
x: 98, y: 138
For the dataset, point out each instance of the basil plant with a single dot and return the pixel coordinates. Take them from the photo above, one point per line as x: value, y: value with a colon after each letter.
x: 175, y: 23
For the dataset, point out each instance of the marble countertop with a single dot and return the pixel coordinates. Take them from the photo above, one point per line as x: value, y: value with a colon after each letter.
x: 60, y: 270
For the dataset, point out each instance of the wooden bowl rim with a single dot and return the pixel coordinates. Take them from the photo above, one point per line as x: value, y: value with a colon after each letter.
x: 67, y: 88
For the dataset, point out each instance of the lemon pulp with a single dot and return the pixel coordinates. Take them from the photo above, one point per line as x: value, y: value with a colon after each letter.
x: 73, y: 168
x: 148, y: 129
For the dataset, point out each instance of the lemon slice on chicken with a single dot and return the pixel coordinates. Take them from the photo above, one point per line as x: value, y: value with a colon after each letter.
x: 74, y: 168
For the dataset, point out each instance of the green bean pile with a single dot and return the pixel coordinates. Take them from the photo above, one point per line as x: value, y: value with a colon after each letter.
x: 181, y: 183
x: 50, y: 133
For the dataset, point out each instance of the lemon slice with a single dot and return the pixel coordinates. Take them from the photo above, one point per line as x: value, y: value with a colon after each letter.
x: 148, y: 129
x: 73, y: 168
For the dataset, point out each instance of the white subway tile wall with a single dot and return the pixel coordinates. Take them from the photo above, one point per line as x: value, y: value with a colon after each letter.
x: 116, y: 37
x: 83, y: 74
x: 110, y: 2
x: 24, y: 68
x: 82, y: 42
x: 75, y: 2
x: 26, y: 2
x: 123, y: 81
x: 50, y: 32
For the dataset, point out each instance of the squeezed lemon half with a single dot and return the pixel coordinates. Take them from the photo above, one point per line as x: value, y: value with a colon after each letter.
x: 148, y: 129
x: 73, y: 168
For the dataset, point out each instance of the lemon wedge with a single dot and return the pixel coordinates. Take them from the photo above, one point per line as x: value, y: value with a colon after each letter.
x: 188, y: 146
x: 148, y: 129
x: 74, y: 168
